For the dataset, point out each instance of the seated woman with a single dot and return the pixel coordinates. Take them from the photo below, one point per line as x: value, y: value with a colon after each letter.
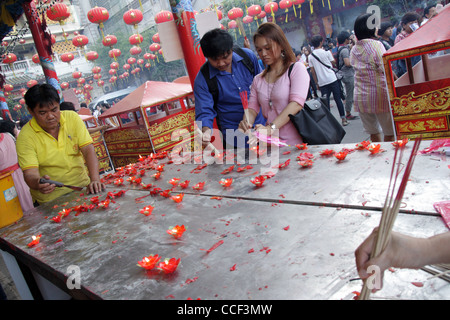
x: 277, y: 91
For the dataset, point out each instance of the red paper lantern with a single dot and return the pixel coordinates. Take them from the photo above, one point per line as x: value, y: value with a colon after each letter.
x: 147, y: 56
x: 154, y: 47
x: 247, y: 19
x: 125, y: 74
x: 22, y: 41
x: 126, y: 66
x: 254, y: 10
x: 285, y: 4
x: 64, y: 85
x: 58, y: 12
x: 91, y: 55
x: 156, y: 38
x: 131, y: 60
x: 114, y: 53
x: 219, y: 14
x: 271, y: 7
x: 80, y: 40
x: 10, y: 58
x: 163, y: 16
x: 232, y: 24
x: 98, y: 15
x: 97, y: 76
x: 67, y: 57
x: 147, y: 65
x: 235, y: 13
x: 136, y: 39
x: 109, y: 40
x: 135, y: 50
x: 76, y: 75
x: 81, y: 81
x: 31, y: 83
x: 114, y: 65
x: 96, y: 69
x: 22, y: 100
x: 133, y: 17
x: 35, y: 58
x: 112, y: 71
x: 100, y: 83
x: 8, y: 87
x: 140, y: 61
x: 262, y: 15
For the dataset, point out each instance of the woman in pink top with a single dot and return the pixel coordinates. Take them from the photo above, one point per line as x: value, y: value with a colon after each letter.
x: 276, y: 92
x: 8, y: 162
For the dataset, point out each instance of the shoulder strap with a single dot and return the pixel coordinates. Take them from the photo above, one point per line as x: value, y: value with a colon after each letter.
x: 290, y: 70
x: 329, y: 67
x: 337, y: 56
x: 246, y: 59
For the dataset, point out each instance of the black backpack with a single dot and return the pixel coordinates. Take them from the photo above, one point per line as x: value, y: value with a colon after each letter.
x: 212, y: 82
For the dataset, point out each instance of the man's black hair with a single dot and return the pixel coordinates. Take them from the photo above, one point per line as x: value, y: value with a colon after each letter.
x: 67, y: 105
x: 41, y: 94
x: 409, y: 17
x: 83, y: 105
x: 7, y: 126
x: 427, y: 9
x: 216, y: 43
x: 343, y: 36
x: 362, y: 31
x: 316, y: 40
x: 383, y: 27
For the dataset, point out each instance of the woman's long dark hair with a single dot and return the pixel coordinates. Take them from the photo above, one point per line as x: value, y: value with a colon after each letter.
x: 273, y: 33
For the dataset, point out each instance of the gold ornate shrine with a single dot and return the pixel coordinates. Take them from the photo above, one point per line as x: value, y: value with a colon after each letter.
x: 148, y: 120
x: 420, y: 98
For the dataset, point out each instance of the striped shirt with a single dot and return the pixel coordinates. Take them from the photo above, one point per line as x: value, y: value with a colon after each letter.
x: 371, y: 94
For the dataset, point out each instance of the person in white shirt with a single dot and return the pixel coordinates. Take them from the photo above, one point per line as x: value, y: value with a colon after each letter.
x: 321, y: 63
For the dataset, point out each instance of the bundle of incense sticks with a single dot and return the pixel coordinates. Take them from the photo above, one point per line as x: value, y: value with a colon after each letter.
x: 244, y: 100
x: 391, y: 205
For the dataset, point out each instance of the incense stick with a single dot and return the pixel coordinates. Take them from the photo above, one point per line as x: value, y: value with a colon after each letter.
x: 391, y: 206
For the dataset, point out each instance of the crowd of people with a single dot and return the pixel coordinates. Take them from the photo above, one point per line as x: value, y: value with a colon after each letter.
x: 55, y: 144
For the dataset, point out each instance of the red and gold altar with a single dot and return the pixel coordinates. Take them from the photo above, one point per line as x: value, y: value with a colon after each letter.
x: 420, y: 98
x: 148, y: 120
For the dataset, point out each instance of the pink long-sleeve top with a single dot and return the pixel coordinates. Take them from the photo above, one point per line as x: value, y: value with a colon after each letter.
x: 286, y: 89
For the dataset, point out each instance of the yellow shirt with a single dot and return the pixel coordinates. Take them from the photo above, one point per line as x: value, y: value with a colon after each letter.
x: 61, y: 159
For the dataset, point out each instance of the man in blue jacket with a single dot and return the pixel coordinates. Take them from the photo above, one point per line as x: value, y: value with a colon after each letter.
x: 227, y: 72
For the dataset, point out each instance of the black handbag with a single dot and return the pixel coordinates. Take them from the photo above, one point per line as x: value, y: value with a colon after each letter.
x: 316, y: 124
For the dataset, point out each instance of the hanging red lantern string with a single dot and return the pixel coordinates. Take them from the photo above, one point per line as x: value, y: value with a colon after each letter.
x: 163, y: 16
x: 98, y: 15
x: 248, y: 20
x: 136, y: 39
x: 114, y: 65
x: 64, y: 85
x: 67, y: 57
x: 8, y: 87
x: 236, y: 14
x: 156, y: 38
x: 299, y: 4
x: 109, y: 40
x: 59, y: 12
x: 285, y: 4
x: 271, y: 8
x: 96, y: 69
x: 253, y: 11
x: 154, y: 47
x: 80, y: 41
x: 76, y: 74
x: 233, y: 25
x: 31, y: 83
x: 135, y: 50
x: 133, y: 17
x: 114, y: 53
x: 131, y: 61
x: 91, y: 56
x: 9, y: 59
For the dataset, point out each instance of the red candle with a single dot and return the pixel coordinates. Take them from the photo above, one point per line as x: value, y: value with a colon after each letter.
x: 176, y: 231
x: 147, y: 210
x: 178, y: 198
x: 258, y: 181
x: 341, y: 155
x: 35, y: 240
x: 400, y: 143
x: 374, y: 148
x: 226, y: 182
x: 199, y: 186
x: 149, y: 262
x: 174, y: 181
x: 184, y: 184
x: 169, y: 265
